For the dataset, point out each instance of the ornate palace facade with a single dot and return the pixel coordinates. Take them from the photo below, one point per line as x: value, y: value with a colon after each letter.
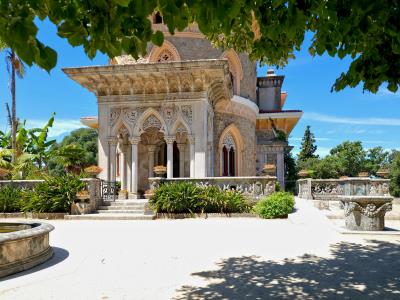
x: 198, y: 110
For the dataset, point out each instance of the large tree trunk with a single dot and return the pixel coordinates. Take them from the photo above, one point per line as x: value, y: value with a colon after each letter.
x: 13, y: 109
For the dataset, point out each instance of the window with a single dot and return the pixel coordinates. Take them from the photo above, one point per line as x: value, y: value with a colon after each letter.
x: 157, y: 19
x: 228, y: 156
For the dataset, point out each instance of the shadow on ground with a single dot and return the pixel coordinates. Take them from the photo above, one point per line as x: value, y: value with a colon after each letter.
x: 59, y: 255
x: 353, y: 272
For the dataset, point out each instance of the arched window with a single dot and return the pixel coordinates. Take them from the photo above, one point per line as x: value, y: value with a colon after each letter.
x: 225, y: 161
x: 232, y: 159
x: 157, y: 19
x: 228, y: 156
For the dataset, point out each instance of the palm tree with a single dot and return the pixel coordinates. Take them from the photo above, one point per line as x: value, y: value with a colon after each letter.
x: 15, y: 66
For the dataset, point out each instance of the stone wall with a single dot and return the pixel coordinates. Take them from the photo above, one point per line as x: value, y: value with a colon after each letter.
x: 93, y: 186
x: 252, y: 187
x: 247, y: 131
x: 196, y: 48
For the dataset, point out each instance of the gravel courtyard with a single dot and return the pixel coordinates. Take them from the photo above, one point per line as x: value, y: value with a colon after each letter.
x: 234, y: 258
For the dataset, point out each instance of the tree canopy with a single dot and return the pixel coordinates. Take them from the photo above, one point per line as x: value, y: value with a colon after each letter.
x: 308, y: 147
x: 367, y: 31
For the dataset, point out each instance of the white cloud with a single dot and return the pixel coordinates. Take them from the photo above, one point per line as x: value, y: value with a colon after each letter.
x: 353, y: 121
x: 386, y: 93
x: 60, y: 126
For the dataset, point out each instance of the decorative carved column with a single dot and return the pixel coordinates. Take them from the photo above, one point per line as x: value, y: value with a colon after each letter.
x: 181, y: 148
x: 280, y: 168
x: 170, y: 155
x: 134, y: 180
x: 151, y: 149
x: 191, y: 140
x: 123, y: 174
x: 112, y: 158
x: 129, y: 166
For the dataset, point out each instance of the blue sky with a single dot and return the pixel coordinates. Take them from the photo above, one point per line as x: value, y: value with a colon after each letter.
x: 351, y: 114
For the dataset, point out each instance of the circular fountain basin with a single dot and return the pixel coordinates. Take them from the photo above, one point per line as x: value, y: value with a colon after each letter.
x: 23, y: 246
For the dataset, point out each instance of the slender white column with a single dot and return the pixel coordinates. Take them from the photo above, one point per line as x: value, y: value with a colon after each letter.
x: 192, y: 155
x: 151, y: 149
x: 181, y: 148
x: 129, y: 166
x: 170, y: 155
x: 134, y: 144
x: 280, y: 168
x: 124, y: 170
x: 112, y: 159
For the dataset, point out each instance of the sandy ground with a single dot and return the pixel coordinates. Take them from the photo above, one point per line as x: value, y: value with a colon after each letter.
x: 241, y: 258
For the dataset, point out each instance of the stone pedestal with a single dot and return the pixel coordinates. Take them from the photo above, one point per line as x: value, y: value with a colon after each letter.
x: 366, y: 213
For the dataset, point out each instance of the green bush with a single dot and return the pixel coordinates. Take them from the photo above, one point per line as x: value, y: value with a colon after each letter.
x: 10, y: 199
x: 55, y: 194
x: 276, y: 205
x: 186, y: 197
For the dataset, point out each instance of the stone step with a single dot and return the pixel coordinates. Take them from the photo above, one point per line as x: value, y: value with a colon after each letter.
x: 116, y: 211
x: 126, y: 202
x: 122, y: 207
x: 97, y: 216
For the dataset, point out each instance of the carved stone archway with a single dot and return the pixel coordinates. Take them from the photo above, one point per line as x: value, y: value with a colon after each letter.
x: 230, y: 152
x: 167, y: 52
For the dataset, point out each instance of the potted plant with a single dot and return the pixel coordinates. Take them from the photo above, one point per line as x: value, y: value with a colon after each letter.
x: 123, y: 194
x: 383, y: 173
x: 363, y: 174
x: 269, y: 169
x: 93, y: 171
x: 304, y: 173
x: 160, y: 170
x: 4, y: 173
x: 82, y: 195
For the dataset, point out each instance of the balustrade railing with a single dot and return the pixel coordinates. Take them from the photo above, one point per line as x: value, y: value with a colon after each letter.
x: 331, y: 189
x: 251, y: 187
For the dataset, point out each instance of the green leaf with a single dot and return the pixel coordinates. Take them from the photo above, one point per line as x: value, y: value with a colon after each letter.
x: 157, y: 38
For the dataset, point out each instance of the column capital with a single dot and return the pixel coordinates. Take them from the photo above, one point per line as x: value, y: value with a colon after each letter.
x: 134, y: 140
x: 112, y: 140
x: 191, y: 138
x: 169, y: 139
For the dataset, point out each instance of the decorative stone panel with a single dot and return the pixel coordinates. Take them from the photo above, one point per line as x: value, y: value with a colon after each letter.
x: 247, y: 131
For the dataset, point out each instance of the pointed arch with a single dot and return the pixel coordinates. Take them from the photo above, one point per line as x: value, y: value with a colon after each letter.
x: 231, y: 144
x: 120, y: 123
x: 149, y: 113
x: 235, y: 68
x: 167, y: 52
x: 180, y: 123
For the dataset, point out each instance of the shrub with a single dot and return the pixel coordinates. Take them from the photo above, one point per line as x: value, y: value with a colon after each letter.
x: 186, y: 197
x: 178, y: 197
x: 276, y: 205
x: 55, y: 194
x: 10, y: 198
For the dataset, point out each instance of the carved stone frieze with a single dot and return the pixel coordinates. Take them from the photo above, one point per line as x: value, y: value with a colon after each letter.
x: 187, y: 114
x: 114, y: 115
x: 152, y: 122
x: 327, y: 189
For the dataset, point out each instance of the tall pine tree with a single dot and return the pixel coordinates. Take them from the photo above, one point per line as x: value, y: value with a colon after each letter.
x: 308, y: 146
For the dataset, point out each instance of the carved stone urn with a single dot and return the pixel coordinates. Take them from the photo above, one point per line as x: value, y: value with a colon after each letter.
x: 269, y: 169
x: 383, y: 173
x: 366, y: 213
x: 160, y: 171
x: 304, y: 173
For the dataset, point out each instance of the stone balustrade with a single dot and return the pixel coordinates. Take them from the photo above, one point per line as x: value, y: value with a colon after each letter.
x: 325, y: 193
x: 253, y: 188
x: 331, y: 189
